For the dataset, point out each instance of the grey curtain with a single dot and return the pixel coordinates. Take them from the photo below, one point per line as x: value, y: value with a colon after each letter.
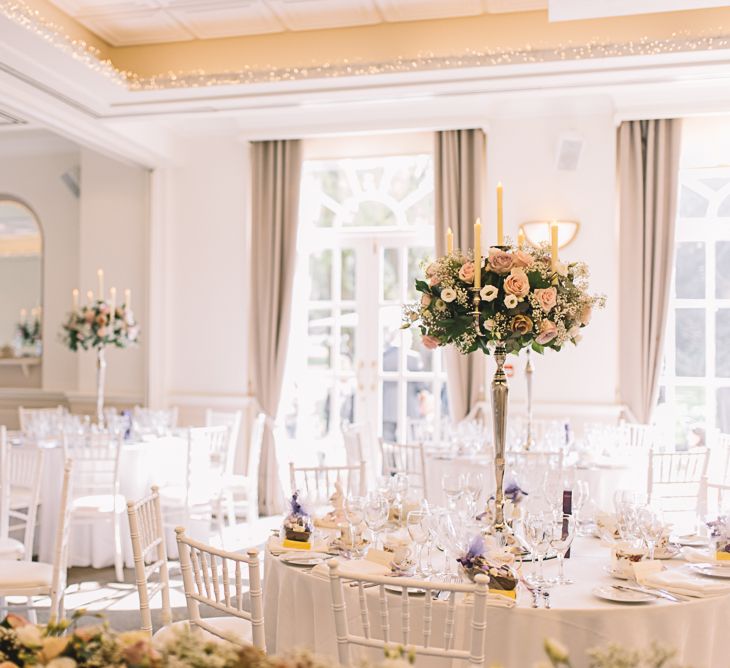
x: 459, y: 166
x: 648, y: 164
x: 276, y: 170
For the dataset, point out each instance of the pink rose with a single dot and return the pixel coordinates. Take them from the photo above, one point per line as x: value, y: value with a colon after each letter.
x: 431, y: 269
x: 517, y: 284
x: 429, y: 342
x: 546, y: 298
x: 522, y: 259
x: 434, y: 280
x: 548, y: 331
x: 466, y: 273
x: 500, y: 262
x: 585, y: 314
x: 425, y: 300
x: 101, y: 332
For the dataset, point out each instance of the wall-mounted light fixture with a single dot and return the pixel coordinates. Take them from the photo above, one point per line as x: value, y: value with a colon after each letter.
x: 538, y: 231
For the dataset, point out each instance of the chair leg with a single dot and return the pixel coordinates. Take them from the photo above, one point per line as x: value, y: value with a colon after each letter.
x: 118, y: 556
x: 230, y: 508
x: 32, y: 614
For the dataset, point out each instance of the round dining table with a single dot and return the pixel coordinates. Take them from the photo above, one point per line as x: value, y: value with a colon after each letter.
x: 298, y: 613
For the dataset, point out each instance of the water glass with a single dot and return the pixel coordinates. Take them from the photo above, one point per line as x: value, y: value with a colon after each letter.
x: 473, y: 487
x: 376, y: 513
x: 651, y: 527
x: 561, y: 538
x: 537, y: 532
x: 453, y: 486
x: 417, y: 526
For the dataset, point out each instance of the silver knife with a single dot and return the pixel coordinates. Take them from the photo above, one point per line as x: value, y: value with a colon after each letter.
x: 656, y: 593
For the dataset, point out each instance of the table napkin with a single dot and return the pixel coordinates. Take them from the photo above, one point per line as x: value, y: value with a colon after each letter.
x: 684, y: 582
x: 276, y: 547
x: 700, y: 556
x: 353, y: 567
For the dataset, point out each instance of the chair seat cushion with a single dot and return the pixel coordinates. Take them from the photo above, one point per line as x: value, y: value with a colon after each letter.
x: 24, y: 575
x: 11, y: 549
x: 98, y: 503
x: 234, y: 627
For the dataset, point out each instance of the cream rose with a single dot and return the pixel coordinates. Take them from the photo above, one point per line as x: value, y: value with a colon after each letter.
x: 62, y: 662
x: 489, y: 324
x: 561, y: 269
x: 548, y: 331
x: 440, y: 305
x: 522, y: 259
x: 574, y: 331
x: 429, y: 342
x: 517, y: 284
x: 510, y: 301
x: 500, y: 262
x: 29, y: 635
x: 425, y: 300
x: 521, y: 324
x: 585, y: 314
x: 466, y: 273
x: 448, y: 295
x: 546, y: 298
x: 489, y: 293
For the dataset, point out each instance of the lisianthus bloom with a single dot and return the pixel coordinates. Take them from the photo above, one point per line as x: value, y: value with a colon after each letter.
x: 448, y: 295
x: 510, y: 301
x: 548, y: 331
x: 489, y: 293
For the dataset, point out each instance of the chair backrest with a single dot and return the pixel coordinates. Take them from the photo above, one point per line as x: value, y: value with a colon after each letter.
x: 60, y: 549
x: 214, y: 577
x: 232, y: 420
x: 258, y: 428
x: 535, y: 460
x: 680, y: 478
x: 642, y: 436
x: 96, y: 464
x: 719, y: 472
x: 152, y: 420
x: 317, y: 483
x: 207, y: 452
x: 41, y: 422
x: 353, y: 436
x: 147, y: 531
x: 26, y: 476
x: 384, y: 620
x: 4, y: 482
x: 405, y: 458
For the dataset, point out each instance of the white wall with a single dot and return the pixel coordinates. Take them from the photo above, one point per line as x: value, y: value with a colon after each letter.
x: 521, y: 153
x: 21, y: 276
x: 35, y: 179
x: 206, y: 285
x: 113, y: 236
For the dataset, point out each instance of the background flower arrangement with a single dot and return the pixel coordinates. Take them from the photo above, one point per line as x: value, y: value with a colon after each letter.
x: 526, y: 299
x: 29, y: 330
x: 98, y: 325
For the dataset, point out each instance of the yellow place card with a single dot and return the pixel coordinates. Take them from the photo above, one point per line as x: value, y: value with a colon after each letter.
x: 722, y: 555
x: 507, y: 593
x: 296, y: 544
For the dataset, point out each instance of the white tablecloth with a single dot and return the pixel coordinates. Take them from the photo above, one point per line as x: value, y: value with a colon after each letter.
x: 298, y: 614
x: 160, y: 461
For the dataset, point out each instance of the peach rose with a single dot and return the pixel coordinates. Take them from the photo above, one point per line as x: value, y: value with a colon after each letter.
x: 16, y: 621
x: 89, y: 317
x: 431, y: 269
x: 548, y: 331
x: 52, y: 647
x: 546, y: 298
x: 466, y: 273
x: 500, y: 262
x: 101, y: 320
x: 434, y: 280
x: 425, y: 300
x: 521, y: 324
x: 517, y: 284
x: 429, y: 342
x: 585, y: 314
x: 101, y: 332
x: 522, y: 259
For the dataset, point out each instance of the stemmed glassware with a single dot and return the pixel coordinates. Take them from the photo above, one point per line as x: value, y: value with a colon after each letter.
x: 473, y: 487
x: 376, y: 512
x: 417, y: 526
x: 537, y: 532
x: 561, y: 537
x: 651, y: 527
x: 579, y: 500
x: 453, y: 486
x: 354, y: 514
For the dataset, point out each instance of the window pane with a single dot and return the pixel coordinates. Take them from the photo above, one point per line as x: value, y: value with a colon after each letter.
x: 723, y: 410
x: 692, y: 204
x: 320, y: 339
x: 690, y: 342
x: 333, y: 182
x: 722, y: 343
x: 320, y: 275
x: 346, y: 388
x: 424, y: 355
x: 420, y: 402
x: 348, y: 274
x: 724, y: 208
x: 371, y: 213
x: 690, y: 415
x: 690, y: 270
x: 390, y: 411
x: 326, y: 217
x: 391, y: 348
x: 347, y: 340
x: 415, y: 257
x: 370, y: 179
x: 716, y: 183
x: 722, y: 269
x: 390, y: 274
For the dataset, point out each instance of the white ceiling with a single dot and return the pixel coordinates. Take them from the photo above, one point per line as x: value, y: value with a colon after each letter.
x: 129, y: 22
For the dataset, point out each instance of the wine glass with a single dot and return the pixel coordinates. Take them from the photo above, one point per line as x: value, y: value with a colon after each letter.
x: 376, y: 512
x: 561, y: 537
x: 537, y: 530
x: 651, y: 527
x: 418, y: 531
x: 580, y: 496
x: 473, y: 486
x: 354, y: 514
x: 552, y: 487
x: 453, y: 486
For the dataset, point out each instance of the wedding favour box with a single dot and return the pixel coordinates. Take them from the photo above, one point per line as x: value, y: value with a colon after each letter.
x: 296, y: 544
x: 722, y: 549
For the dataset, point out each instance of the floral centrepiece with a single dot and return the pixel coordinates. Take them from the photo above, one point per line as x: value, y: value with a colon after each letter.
x: 96, y: 326
x: 525, y: 300
x: 29, y: 332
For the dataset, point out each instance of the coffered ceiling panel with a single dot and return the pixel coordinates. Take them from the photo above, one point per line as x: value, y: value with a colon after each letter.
x: 128, y: 22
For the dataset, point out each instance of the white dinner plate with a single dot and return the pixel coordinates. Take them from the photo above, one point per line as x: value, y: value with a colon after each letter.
x: 412, y: 591
x: 608, y: 593
x: 668, y: 552
x: 711, y: 570
x: 691, y: 541
x: 305, y: 559
x: 616, y: 574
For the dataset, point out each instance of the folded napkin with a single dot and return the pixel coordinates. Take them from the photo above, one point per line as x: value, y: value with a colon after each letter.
x: 699, y: 556
x: 353, y: 568
x: 685, y: 583
x: 275, y: 546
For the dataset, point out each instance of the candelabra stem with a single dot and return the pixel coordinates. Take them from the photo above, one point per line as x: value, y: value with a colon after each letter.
x: 100, y: 381
x: 529, y: 440
x: 500, y: 392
